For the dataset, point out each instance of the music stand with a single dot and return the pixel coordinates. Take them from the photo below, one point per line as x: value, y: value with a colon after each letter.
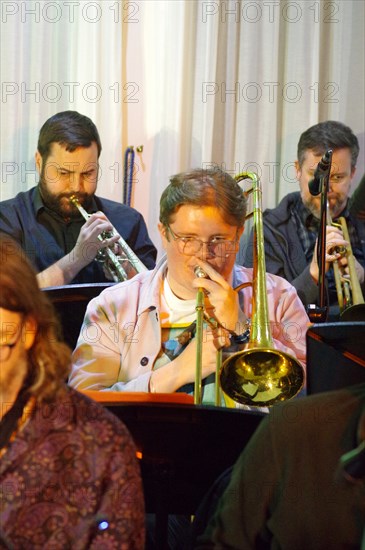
x: 70, y: 302
x: 183, y: 448
x: 335, y: 356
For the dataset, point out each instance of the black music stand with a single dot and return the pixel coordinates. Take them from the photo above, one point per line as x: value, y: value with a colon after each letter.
x: 70, y: 302
x: 335, y: 356
x: 184, y: 448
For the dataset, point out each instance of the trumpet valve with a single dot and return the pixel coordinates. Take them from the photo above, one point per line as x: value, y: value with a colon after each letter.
x: 340, y: 249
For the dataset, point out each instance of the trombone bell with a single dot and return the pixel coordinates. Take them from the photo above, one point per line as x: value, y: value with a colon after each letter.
x: 260, y: 377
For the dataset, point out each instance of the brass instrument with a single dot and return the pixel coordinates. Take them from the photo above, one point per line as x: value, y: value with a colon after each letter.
x: 260, y: 375
x: 349, y: 294
x: 199, y: 272
x: 113, y: 263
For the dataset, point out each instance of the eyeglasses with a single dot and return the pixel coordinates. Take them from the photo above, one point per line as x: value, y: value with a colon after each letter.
x: 190, y: 246
x: 6, y: 349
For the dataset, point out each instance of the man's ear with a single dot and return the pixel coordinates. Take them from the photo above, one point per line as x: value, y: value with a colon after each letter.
x: 38, y: 161
x: 298, y: 170
x: 162, y: 230
x: 163, y: 233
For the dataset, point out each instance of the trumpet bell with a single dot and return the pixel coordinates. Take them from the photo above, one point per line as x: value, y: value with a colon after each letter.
x: 261, y: 377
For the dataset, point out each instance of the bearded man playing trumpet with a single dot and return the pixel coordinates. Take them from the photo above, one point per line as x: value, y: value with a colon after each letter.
x: 47, y: 224
x: 139, y: 335
x: 291, y: 229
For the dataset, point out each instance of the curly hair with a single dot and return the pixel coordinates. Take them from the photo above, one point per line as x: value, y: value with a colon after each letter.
x: 49, y: 359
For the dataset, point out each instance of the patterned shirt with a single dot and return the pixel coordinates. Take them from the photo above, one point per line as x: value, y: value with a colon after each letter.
x: 70, y: 479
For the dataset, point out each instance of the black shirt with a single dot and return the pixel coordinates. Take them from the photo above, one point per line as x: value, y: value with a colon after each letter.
x: 46, y: 237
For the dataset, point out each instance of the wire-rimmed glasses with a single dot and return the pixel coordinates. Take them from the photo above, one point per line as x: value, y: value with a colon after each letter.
x: 191, y: 246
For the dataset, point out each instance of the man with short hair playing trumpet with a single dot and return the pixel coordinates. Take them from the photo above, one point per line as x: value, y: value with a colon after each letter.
x: 291, y: 229
x: 50, y: 229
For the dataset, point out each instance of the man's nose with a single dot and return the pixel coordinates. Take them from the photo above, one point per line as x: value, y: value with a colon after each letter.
x: 206, y: 251
x: 75, y: 182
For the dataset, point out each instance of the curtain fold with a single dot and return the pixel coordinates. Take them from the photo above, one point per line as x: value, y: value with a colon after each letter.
x: 233, y: 82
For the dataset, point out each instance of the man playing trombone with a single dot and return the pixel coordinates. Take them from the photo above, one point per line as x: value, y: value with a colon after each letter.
x: 291, y: 229
x: 50, y: 228
x: 140, y: 334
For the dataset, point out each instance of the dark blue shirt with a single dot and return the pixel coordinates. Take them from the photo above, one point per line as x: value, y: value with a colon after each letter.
x: 46, y: 237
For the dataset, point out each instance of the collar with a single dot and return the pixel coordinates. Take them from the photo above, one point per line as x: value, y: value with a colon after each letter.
x: 38, y: 201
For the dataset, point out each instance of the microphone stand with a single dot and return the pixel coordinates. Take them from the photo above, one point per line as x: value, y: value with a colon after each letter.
x: 319, y: 314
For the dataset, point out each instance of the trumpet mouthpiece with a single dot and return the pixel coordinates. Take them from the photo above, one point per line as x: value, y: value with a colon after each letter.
x: 199, y: 272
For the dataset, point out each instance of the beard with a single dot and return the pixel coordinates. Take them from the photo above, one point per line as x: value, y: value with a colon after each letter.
x: 60, y: 204
x: 336, y: 205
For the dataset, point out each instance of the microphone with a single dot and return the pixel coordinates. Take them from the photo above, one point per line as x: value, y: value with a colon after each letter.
x: 322, y: 169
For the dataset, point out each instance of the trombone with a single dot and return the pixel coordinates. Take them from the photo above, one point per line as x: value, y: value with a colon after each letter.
x: 348, y: 289
x: 260, y: 375
x: 112, y: 262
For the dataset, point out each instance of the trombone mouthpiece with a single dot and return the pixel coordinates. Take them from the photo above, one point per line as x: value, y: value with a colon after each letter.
x: 199, y: 272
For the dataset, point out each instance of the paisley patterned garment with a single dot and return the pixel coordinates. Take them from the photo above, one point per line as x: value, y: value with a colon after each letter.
x: 70, y: 479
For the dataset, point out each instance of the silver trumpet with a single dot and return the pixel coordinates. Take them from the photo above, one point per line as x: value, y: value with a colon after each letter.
x: 114, y: 265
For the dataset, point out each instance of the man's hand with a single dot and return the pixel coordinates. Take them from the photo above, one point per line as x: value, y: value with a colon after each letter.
x: 88, y: 243
x: 346, y: 272
x: 221, y: 301
x: 334, y: 238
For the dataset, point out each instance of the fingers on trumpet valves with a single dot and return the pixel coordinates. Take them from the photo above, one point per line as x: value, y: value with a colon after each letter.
x: 110, y: 240
x: 336, y: 251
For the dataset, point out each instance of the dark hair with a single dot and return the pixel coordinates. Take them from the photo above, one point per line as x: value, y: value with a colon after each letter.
x: 48, y: 359
x: 204, y: 187
x: 328, y: 135
x: 69, y: 129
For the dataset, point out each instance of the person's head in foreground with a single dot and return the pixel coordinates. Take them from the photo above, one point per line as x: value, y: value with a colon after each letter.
x: 69, y: 475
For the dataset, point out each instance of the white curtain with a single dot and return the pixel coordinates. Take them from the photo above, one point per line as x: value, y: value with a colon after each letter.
x: 232, y: 82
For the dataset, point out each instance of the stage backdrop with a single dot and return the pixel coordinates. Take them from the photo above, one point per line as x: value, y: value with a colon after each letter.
x: 192, y: 81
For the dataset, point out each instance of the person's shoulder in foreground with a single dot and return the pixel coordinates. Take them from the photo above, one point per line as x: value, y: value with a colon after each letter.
x: 288, y: 489
x: 79, y: 473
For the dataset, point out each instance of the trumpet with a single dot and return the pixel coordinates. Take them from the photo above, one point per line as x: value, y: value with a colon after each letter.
x: 349, y: 294
x: 113, y: 263
x: 260, y: 375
